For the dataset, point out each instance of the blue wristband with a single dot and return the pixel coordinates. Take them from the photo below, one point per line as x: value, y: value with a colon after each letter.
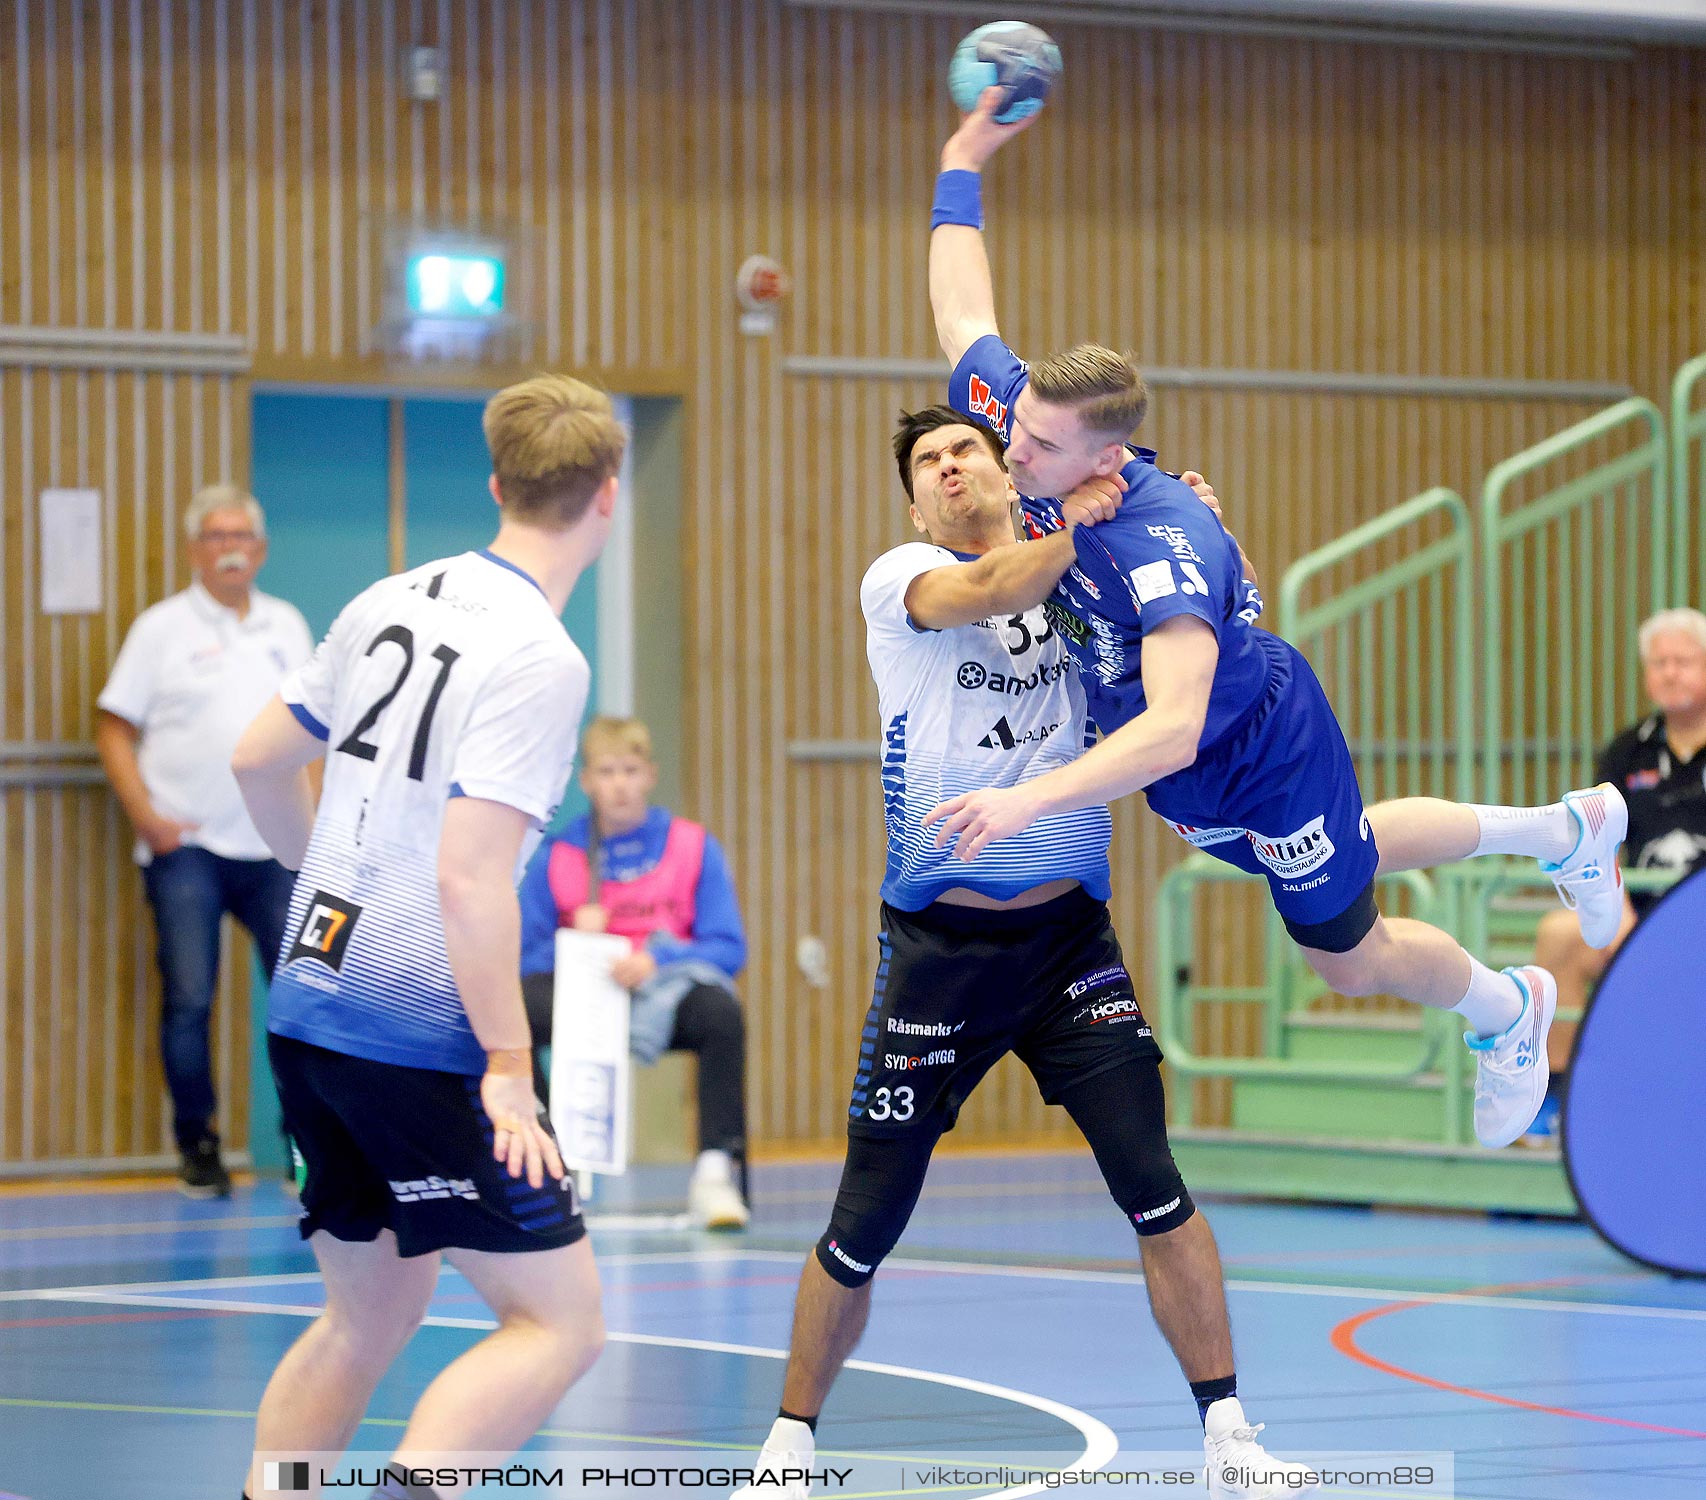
x: 959, y: 199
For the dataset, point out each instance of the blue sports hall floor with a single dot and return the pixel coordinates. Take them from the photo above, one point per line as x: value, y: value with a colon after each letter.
x: 137, y: 1331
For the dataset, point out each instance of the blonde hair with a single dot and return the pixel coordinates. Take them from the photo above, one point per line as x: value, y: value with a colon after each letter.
x: 1103, y: 387
x: 212, y: 497
x: 609, y: 734
x: 554, y: 441
x: 1689, y: 622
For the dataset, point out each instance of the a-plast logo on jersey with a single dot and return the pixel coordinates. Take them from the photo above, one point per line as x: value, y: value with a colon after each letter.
x: 1297, y: 853
x: 325, y: 930
x: 1002, y: 737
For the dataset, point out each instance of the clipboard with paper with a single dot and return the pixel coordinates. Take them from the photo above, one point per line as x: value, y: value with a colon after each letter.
x: 591, y: 1071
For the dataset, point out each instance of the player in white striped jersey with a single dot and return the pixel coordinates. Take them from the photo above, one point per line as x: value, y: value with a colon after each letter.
x: 447, y: 701
x: 977, y: 961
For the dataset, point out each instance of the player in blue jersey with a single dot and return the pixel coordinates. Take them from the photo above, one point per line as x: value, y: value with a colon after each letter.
x: 446, y: 702
x: 1225, y: 727
x: 1016, y: 954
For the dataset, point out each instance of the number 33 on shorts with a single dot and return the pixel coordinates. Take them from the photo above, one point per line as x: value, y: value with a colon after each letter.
x: 897, y: 1108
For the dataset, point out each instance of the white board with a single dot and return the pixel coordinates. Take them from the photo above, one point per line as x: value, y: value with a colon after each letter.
x: 591, y: 1072
x: 71, y: 552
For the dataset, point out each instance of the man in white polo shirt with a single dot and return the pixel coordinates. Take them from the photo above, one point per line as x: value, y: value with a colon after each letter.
x: 193, y: 671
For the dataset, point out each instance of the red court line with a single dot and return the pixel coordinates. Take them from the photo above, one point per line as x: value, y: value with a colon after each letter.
x: 137, y: 1317
x: 1343, y: 1338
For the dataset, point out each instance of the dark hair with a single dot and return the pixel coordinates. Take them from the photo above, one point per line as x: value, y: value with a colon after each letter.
x: 914, y: 424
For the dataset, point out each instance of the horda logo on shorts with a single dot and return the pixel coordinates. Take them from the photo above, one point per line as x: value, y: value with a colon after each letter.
x: 1112, y: 1012
x: 1297, y: 853
x: 922, y: 1028
x: 325, y: 930
x: 422, y: 1189
x: 905, y: 1062
x: 973, y: 675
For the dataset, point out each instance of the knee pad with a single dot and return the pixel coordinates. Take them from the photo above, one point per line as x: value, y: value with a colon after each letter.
x: 1123, y: 1114
x: 1154, y: 1196
x: 880, y: 1185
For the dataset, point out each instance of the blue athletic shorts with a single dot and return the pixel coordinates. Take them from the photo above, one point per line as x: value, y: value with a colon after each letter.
x: 1278, y: 796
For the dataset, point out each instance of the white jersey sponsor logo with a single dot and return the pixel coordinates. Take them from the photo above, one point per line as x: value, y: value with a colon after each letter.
x: 1297, y: 853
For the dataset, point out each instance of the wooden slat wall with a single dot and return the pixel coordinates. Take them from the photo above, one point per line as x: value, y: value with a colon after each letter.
x: 1211, y: 201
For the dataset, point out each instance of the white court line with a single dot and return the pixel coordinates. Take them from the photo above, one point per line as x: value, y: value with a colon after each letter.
x: 1100, y: 1444
x: 1289, y: 1288
x: 959, y: 1268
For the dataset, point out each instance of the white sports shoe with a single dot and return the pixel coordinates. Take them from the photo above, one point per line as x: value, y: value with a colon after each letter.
x: 789, y: 1450
x: 713, y: 1199
x: 1511, y: 1068
x: 1588, y: 880
x: 1236, y: 1465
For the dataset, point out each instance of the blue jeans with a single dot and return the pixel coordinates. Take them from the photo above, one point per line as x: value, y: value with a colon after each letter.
x: 190, y: 889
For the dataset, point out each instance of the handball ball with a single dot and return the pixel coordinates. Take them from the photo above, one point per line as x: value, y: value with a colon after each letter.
x: 1019, y: 57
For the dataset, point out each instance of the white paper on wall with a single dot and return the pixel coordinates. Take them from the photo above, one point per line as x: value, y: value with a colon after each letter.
x: 71, y: 552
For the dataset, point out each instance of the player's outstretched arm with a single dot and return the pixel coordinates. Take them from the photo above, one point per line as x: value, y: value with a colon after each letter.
x: 1179, y: 658
x: 270, y: 764
x: 1010, y: 579
x: 962, y: 292
x: 1006, y: 580
x: 477, y: 855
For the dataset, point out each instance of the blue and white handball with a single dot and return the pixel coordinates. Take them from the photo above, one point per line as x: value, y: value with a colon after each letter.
x: 1021, y: 58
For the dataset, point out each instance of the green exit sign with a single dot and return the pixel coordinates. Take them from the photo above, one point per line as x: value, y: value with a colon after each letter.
x: 444, y: 284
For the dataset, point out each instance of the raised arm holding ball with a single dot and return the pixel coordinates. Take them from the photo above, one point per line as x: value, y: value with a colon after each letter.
x: 1224, y: 727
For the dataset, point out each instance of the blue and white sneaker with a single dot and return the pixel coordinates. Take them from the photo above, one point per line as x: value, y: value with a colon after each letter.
x: 1511, y: 1069
x: 1589, y: 881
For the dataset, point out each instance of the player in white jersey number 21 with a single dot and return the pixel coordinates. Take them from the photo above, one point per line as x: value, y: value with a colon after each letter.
x: 446, y: 701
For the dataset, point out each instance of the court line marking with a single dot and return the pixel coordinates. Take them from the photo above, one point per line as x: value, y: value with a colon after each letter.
x: 1100, y: 1443
x: 1343, y: 1339
x: 965, y: 1268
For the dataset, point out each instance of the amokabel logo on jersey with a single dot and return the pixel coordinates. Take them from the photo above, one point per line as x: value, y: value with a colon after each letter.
x: 974, y: 675
x: 1297, y: 853
x: 325, y: 931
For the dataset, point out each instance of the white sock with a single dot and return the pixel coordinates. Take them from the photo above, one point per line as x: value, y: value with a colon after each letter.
x: 789, y: 1436
x: 1493, y: 1002
x: 1547, y: 833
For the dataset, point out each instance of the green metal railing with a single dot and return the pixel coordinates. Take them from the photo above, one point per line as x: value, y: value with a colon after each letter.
x: 1566, y: 578
x: 1285, y: 990
x: 1575, y: 541
x: 1395, y: 647
x: 1688, y: 483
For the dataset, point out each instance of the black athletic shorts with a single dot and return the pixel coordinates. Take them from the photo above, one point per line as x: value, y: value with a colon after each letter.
x: 957, y: 987
x: 409, y: 1149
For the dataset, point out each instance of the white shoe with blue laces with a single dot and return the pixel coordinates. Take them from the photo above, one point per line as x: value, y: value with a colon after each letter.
x: 1511, y: 1069
x: 1589, y: 881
